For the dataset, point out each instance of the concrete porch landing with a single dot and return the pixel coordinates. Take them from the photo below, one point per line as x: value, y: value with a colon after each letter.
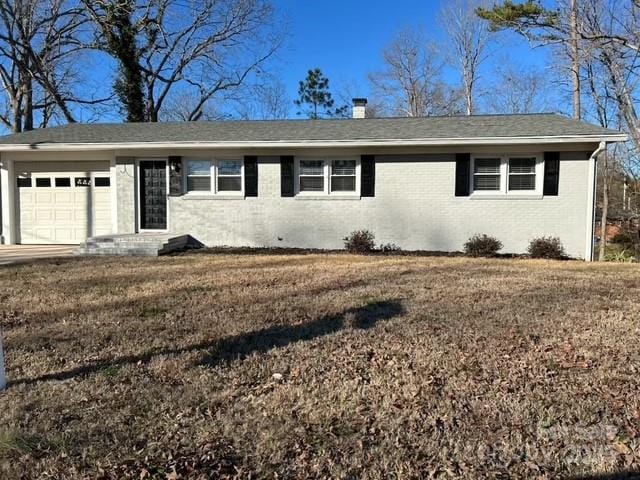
x: 144, y: 244
x: 25, y: 253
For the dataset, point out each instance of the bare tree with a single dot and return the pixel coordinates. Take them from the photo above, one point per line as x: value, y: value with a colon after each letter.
x: 179, y: 107
x: 574, y: 55
x: 266, y: 100
x: 38, y: 41
x: 518, y: 90
x: 467, y: 38
x: 205, y: 47
x: 411, y: 83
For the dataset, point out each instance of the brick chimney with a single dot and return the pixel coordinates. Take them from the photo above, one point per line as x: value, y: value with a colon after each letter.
x: 359, y: 107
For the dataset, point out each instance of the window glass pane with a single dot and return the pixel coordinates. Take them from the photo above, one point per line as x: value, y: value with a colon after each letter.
x: 311, y: 167
x: 102, y: 182
x: 229, y: 167
x: 486, y: 165
x: 229, y: 184
x: 522, y: 182
x: 311, y: 184
x: 198, y: 184
x: 522, y: 165
x: 343, y: 167
x: 63, y: 182
x: 343, y: 184
x: 24, y: 182
x: 43, y: 182
x: 486, y: 182
x: 82, y: 181
x: 198, y: 167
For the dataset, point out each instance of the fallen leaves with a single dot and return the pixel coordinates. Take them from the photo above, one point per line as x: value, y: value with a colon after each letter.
x: 319, y: 366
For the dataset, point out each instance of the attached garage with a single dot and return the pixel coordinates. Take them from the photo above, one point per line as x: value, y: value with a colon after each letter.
x: 62, y: 202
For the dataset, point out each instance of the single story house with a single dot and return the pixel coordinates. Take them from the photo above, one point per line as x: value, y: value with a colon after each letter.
x: 421, y: 183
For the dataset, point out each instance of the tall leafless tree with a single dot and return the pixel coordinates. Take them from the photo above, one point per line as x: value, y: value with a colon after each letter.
x: 518, y: 89
x: 264, y: 100
x: 39, y: 40
x: 467, y: 39
x: 411, y: 83
x: 203, y: 47
x: 574, y: 55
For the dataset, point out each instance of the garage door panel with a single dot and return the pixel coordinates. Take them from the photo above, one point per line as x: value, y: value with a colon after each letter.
x: 64, y: 198
x: 63, y: 214
x: 44, y: 215
x: 43, y: 197
x: 65, y: 235
x: 26, y: 197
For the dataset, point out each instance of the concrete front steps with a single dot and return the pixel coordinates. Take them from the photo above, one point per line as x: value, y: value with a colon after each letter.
x: 143, y: 244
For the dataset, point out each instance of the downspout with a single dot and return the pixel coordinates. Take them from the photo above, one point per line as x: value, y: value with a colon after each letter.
x: 591, y: 200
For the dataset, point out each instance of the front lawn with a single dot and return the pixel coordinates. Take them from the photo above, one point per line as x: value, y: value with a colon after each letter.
x: 319, y: 366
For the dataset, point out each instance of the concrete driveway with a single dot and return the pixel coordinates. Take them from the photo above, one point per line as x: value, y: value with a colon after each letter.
x: 25, y: 253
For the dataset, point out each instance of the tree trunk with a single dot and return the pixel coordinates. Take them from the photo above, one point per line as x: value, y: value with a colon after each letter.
x: 152, y: 110
x: 605, y: 208
x: 16, y: 110
x: 575, y: 61
x: 27, y: 108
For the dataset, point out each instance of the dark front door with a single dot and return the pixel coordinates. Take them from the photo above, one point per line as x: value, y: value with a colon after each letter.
x: 153, y: 195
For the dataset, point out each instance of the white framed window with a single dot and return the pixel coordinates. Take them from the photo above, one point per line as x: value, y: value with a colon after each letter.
x: 486, y: 174
x: 320, y: 176
x: 229, y: 176
x: 507, y: 174
x: 198, y: 175
x: 343, y: 176
x: 522, y: 174
x: 214, y: 176
x: 311, y: 176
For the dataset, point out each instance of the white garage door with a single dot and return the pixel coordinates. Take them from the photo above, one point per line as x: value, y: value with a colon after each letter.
x: 63, y: 205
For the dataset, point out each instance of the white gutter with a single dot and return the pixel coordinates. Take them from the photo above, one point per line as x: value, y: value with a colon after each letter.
x: 591, y: 200
x: 424, y: 142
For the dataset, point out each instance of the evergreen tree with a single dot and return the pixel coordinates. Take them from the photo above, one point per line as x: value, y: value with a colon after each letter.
x: 315, y: 98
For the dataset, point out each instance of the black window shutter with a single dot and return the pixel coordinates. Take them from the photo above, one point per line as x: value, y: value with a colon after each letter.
x: 551, y: 173
x: 286, y: 177
x: 251, y: 176
x: 367, y: 176
x: 463, y: 174
x: 175, y: 176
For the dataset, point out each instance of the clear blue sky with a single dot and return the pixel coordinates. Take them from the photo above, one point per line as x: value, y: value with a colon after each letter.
x: 345, y: 38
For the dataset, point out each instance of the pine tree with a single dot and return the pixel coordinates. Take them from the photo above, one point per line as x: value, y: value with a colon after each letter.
x: 315, y: 98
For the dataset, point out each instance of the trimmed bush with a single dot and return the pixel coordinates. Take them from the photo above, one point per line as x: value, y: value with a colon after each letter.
x: 546, y: 247
x: 360, y: 241
x: 482, y: 246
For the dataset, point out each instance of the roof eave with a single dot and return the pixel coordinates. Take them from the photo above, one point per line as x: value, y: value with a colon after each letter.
x: 425, y: 142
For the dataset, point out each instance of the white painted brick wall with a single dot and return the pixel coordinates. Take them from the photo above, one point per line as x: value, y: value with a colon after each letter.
x: 414, y: 207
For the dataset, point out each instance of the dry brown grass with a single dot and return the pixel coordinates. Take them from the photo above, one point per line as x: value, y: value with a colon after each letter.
x: 319, y: 366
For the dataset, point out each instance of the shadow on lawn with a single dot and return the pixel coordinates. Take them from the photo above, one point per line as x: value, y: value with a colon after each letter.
x: 278, y: 336
x: 241, y: 346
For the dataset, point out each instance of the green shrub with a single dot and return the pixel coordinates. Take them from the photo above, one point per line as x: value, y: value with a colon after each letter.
x: 482, y: 246
x: 622, y: 256
x: 546, y: 247
x: 360, y: 241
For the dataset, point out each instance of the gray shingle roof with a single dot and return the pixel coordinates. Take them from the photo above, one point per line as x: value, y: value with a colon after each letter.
x: 455, y: 127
